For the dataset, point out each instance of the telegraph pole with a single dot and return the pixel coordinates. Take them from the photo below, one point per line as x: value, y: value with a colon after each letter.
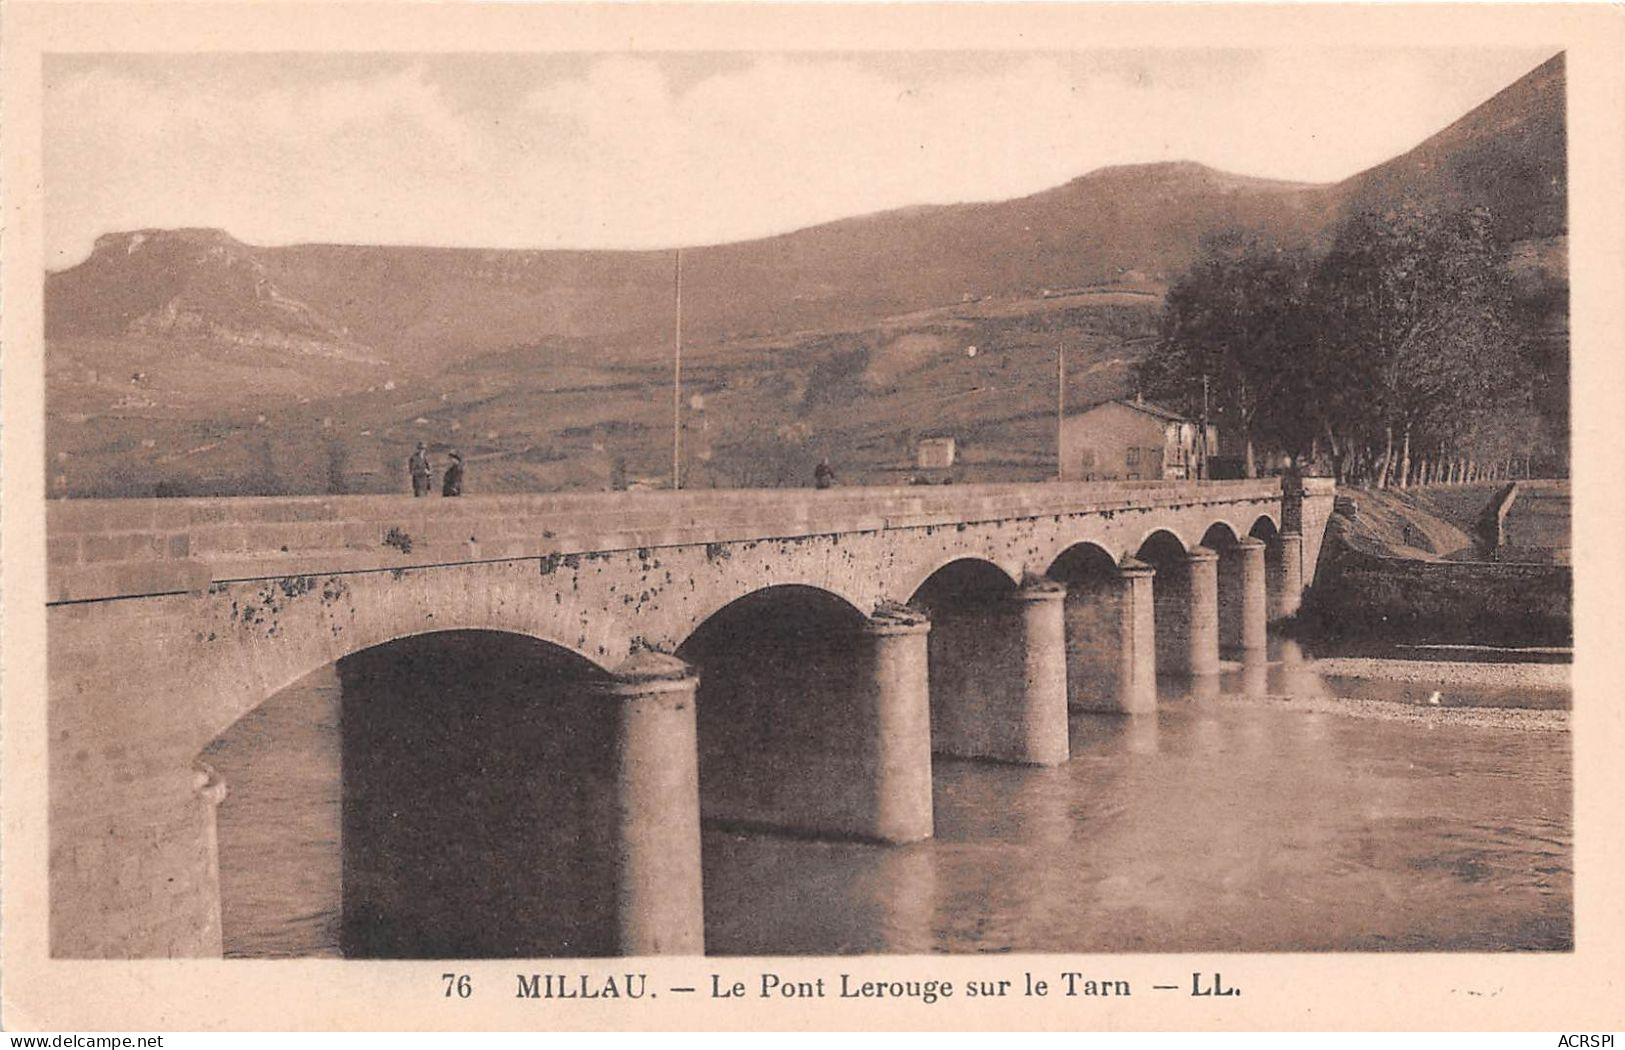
x: 1060, y: 406
x: 1202, y: 476
x: 677, y: 381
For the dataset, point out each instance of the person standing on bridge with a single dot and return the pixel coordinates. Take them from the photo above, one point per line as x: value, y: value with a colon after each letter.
x: 454, y: 476
x: 422, y: 473
x: 823, y: 474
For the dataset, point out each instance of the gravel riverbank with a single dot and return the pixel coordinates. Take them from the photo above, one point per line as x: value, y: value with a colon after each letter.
x: 1451, y: 672
x: 1514, y: 718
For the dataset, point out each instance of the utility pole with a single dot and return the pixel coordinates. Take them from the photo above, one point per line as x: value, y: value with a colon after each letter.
x: 677, y: 382
x: 1060, y: 406
x: 1201, y: 469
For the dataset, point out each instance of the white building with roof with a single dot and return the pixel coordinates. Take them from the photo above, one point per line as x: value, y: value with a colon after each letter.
x: 1133, y: 441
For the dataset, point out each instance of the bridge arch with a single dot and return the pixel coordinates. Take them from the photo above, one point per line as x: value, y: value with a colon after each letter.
x: 1239, y: 587
x: 1159, y: 541
x: 471, y: 791
x: 1281, y: 558
x: 997, y: 663
x: 819, y: 598
x: 1161, y: 545
x: 1099, y: 630
x: 1183, y: 603
x: 779, y: 711
x: 958, y: 565
x: 962, y: 579
x: 1081, y: 560
x: 260, y: 637
x: 1219, y: 535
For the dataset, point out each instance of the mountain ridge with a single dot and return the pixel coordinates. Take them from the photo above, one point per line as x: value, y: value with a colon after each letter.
x: 872, y: 265
x: 209, y: 234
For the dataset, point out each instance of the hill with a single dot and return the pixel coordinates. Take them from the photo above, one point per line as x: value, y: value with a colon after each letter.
x: 200, y: 285
x: 429, y: 308
x: 1509, y: 155
x: 315, y: 367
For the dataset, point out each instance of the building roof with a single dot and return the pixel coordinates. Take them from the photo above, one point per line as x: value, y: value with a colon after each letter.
x: 1156, y: 411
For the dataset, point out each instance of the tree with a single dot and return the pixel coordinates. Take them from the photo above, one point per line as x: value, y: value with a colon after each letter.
x: 1412, y: 311
x: 1397, y: 339
x: 1235, y: 331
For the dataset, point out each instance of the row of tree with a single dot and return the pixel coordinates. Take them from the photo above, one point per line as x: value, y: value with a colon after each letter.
x: 1401, y: 348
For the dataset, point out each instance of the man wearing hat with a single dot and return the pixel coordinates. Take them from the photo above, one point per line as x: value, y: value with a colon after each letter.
x: 422, y: 472
x: 454, y: 476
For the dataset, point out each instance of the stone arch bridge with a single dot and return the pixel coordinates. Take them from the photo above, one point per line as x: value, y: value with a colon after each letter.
x: 785, y: 660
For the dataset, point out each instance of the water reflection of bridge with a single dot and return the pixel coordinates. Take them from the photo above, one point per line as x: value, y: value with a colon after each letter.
x: 765, y: 660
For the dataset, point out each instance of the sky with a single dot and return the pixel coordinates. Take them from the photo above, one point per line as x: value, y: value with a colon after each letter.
x: 646, y: 150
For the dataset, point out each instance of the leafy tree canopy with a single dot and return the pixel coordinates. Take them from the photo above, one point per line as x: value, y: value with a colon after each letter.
x: 1401, y: 336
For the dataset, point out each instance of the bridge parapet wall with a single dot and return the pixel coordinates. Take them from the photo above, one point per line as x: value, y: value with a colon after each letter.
x: 118, y: 548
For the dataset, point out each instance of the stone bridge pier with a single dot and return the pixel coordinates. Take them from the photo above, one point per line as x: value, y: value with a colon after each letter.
x: 1242, y: 595
x: 1185, y: 593
x: 815, y: 719
x: 998, y: 665
x: 655, y: 785
x: 1111, y: 657
x: 1284, y: 571
x: 779, y: 662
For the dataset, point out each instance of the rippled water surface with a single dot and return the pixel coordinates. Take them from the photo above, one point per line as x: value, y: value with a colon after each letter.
x: 1262, y: 813
x: 280, y: 860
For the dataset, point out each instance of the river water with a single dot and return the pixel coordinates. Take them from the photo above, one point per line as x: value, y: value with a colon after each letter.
x: 1412, y: 801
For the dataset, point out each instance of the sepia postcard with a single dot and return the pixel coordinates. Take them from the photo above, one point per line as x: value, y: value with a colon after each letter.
x: 811, y: 516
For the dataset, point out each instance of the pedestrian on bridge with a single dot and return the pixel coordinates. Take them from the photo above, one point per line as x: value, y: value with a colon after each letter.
x: 823, y: 474
x: 422, y: 472
x: 454, y: 476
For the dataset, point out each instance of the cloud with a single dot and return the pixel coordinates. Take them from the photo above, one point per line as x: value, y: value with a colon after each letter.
x: 123, y: 151
x: 617, y: 151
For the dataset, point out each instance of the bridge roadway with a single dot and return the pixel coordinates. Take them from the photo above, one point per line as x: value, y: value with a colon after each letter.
x: 957, y: 620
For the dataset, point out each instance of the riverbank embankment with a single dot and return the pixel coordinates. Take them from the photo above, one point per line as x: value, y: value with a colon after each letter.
x: 1404, y: 566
